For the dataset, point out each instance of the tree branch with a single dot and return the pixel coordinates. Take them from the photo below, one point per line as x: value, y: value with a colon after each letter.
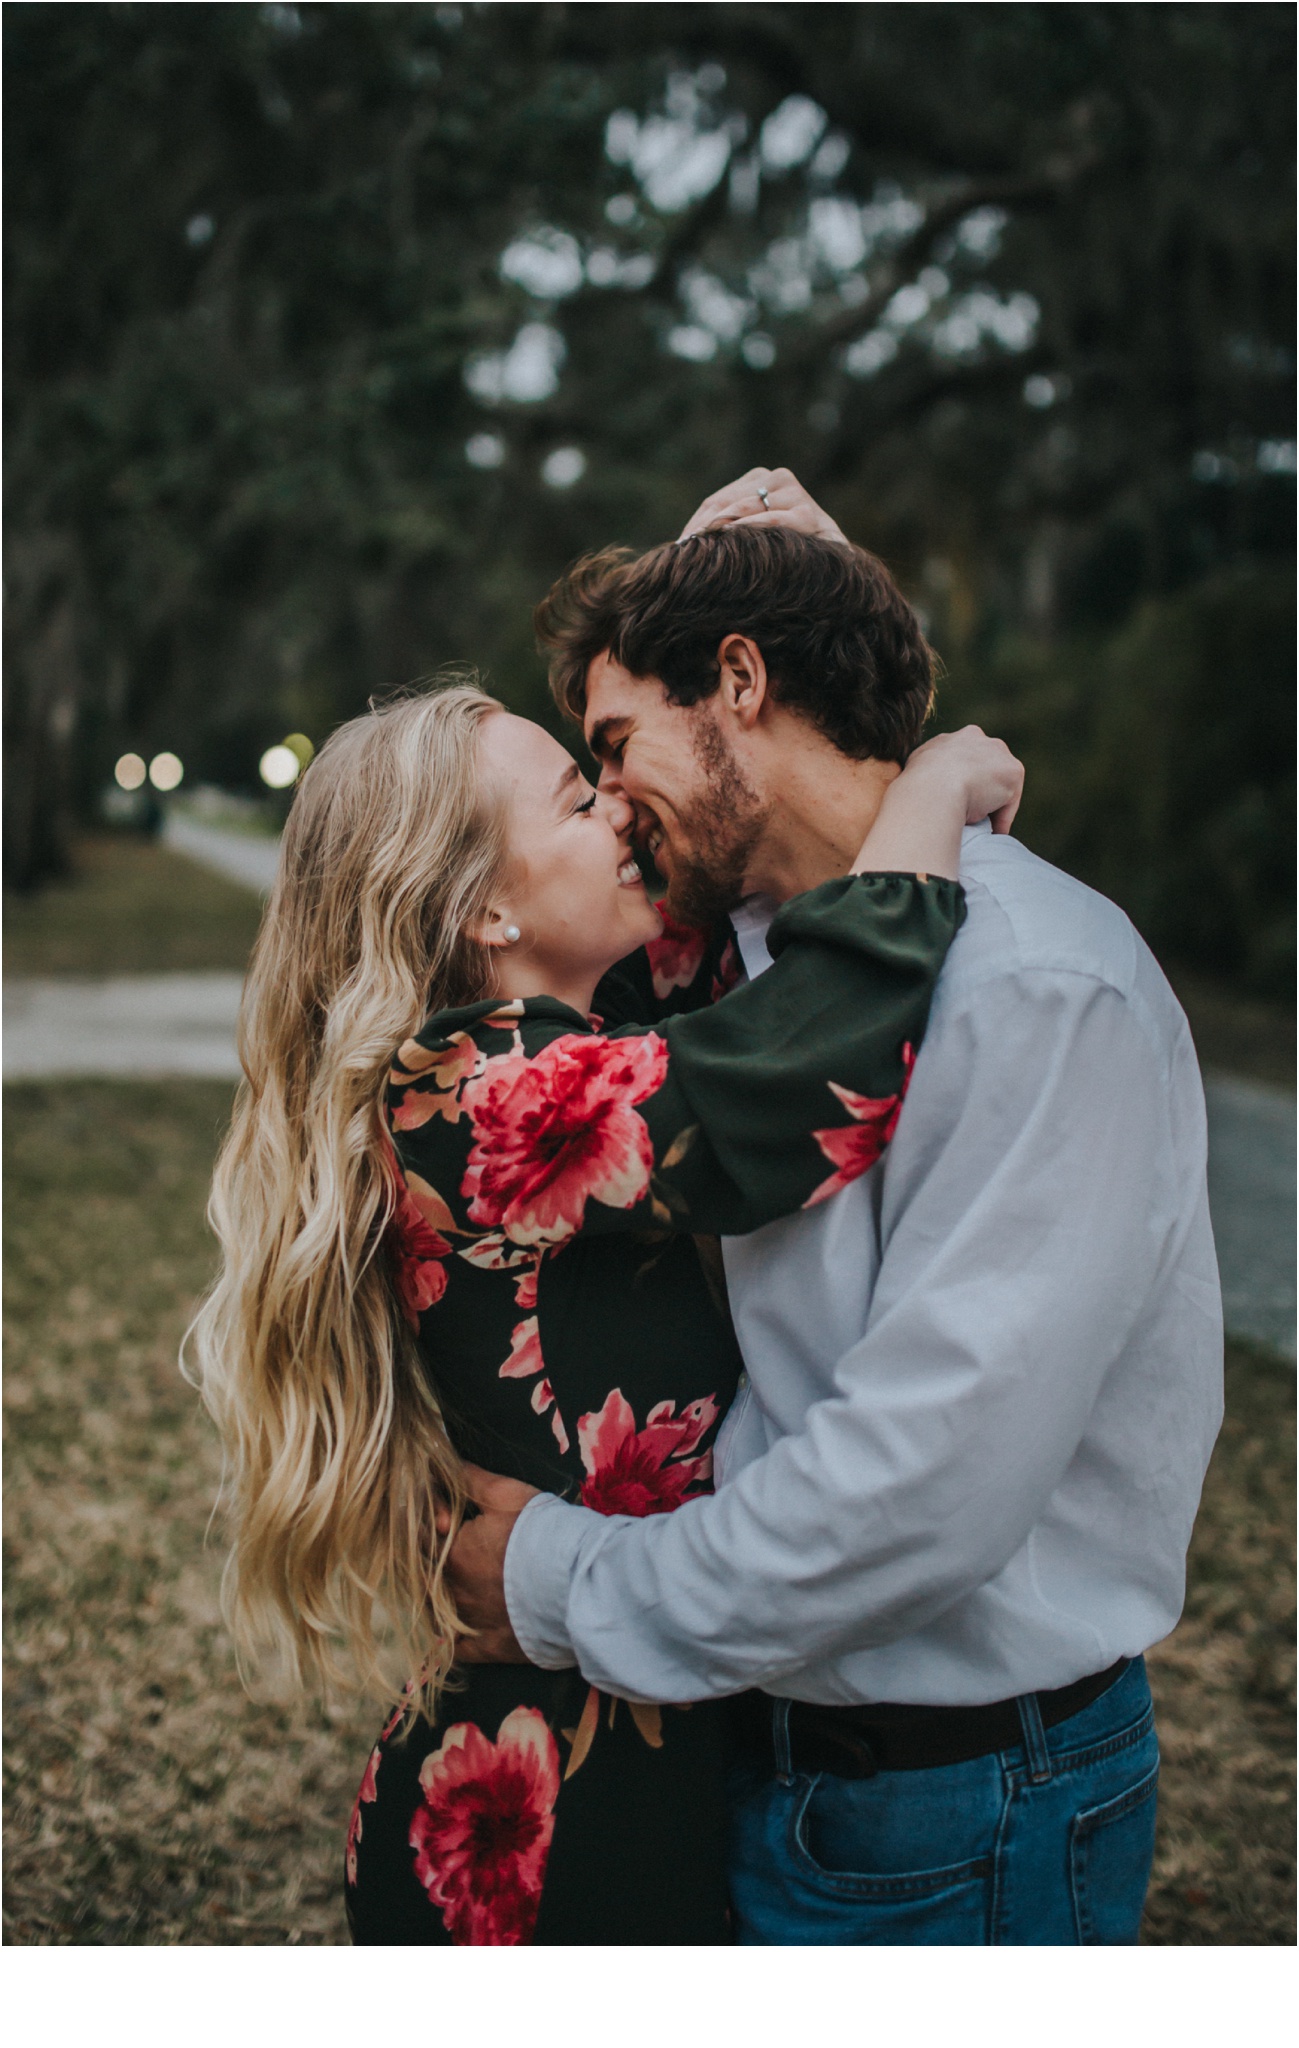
x: 898, y: 408
x: 763, y: 41
x: 907, y: 261
x: 684, y: 238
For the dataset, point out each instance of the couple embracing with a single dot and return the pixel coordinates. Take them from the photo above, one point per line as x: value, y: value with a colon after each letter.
x: 756, y: 1358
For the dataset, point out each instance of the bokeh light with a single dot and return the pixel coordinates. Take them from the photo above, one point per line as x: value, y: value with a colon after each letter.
x: 279, y: 767
x: 166, y: 771
x: 563, y: 467
x: 129, y: 772
x: 485, y: 451
x: 298, y: 743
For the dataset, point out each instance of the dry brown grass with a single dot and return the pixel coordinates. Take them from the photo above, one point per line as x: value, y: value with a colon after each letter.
x: 148, y: 1801
x: 1224, y: 1687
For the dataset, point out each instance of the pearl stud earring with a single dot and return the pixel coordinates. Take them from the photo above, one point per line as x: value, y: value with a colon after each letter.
x: 512, y: 934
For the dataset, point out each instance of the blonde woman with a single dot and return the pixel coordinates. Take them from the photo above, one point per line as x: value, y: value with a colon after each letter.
x: 458, y: 1210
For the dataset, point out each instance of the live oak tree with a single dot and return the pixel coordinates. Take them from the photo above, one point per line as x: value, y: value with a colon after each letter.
x: 335, y: 330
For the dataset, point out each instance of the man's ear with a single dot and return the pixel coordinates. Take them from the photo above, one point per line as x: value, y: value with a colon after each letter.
x: 743, y: 684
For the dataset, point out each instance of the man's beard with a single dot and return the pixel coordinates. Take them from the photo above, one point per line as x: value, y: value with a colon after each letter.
x: 720, y: 831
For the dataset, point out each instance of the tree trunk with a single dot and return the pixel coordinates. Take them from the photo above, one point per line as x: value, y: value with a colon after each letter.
x: 43, y: 688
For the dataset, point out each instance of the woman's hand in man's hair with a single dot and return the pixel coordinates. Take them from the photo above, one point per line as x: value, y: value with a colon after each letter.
x: 765, y: 497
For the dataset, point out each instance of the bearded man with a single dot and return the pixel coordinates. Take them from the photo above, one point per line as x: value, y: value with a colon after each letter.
x: 984, y: 1380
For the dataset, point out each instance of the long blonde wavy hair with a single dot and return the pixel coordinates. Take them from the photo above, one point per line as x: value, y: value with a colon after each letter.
x: 335, y: 1450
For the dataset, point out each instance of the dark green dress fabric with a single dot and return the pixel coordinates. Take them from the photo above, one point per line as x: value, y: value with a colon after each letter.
x: 562, y: 1179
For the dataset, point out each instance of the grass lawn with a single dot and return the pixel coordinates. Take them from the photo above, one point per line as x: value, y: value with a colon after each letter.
x: 148, y: 1800
x: 130, y: 907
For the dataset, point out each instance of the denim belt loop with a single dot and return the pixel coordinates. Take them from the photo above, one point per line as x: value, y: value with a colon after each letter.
x: 1035, y: 1749
x: 780, y: 1740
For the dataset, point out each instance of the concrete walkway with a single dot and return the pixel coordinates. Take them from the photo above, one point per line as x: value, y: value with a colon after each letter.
x: 185, y: 1024
x: 240, y: 857
x: 1252, y: 1199
x: 134, y: 1025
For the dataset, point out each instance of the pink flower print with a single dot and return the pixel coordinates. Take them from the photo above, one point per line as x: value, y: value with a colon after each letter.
x: 729, y: 973
x: 417, y: 1251
x: 676, y: 956
x: 367, y: 1795
x: 419, y: 1105
x: 482, y: 1836
x: 429, y: 1203
x: 853, y: 1148
x: 505, y: 1018
x: 446, y: 1067
x: 494, y: 1255
x: 543, y: 1397
x: 525, y: 1352
x: 369, y: 1791
x: 524, y: 1361
x: 645, y: 1472
x: 558, y: 1130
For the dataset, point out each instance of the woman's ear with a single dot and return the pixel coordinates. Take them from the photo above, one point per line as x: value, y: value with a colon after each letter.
x: 743, y: 678
x: 497, y: 928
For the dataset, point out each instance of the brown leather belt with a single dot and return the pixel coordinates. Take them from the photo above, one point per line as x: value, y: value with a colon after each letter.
x: 856, y: 1742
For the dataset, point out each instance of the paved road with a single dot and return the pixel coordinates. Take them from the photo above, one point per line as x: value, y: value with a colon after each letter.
x: 184, y: 1024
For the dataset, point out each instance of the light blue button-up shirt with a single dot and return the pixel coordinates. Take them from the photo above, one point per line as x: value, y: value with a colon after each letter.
x: 984, y: 1380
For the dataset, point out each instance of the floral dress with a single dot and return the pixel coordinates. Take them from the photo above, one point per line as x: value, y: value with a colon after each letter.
x: 556, y: 1172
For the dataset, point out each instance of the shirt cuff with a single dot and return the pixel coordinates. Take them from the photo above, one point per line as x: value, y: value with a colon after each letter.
x: 540, y: 1559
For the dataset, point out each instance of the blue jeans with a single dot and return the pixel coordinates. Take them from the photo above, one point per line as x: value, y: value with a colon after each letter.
x: 1046, y: 1844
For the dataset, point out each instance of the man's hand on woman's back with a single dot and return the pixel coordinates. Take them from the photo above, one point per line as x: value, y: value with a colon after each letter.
x: 475, y: 1566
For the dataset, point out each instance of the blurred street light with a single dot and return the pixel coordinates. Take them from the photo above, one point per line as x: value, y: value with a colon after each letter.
x: 279, y: 767
x: 166, y: 771
x: 129, y: 772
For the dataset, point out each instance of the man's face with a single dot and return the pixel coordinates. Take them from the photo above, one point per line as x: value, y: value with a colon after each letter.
x: 696, y: 811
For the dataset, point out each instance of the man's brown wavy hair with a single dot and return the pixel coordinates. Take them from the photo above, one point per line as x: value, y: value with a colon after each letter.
x: 843, y: 647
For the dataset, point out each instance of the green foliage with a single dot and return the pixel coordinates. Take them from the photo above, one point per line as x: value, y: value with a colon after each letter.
x: 303, y: 300
x: 1161, y: 766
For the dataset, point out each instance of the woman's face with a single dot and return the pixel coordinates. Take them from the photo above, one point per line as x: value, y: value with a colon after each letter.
x: 573, y: 887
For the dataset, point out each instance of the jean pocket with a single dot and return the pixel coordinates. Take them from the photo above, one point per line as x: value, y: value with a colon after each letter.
x: 947, y: 1906
x: 1110, y: 1852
